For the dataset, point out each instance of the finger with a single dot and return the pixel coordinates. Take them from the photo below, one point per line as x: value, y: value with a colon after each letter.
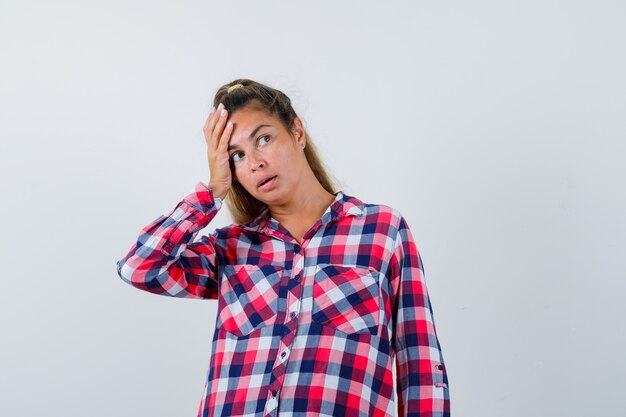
x: 207, y: 123
x: 220, y: 119
x: 215, y: 114
x: 212, y: 121
x: 208, y: 127
x: 222, y: 146
x: 219, y: 125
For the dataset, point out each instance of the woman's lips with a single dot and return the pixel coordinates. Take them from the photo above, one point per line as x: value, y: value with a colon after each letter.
x: 268, y: 184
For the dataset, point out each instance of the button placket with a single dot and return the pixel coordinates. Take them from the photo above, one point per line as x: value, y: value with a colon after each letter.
x: 293, y: 298
x: 293, y: 308
x: 271, y: 405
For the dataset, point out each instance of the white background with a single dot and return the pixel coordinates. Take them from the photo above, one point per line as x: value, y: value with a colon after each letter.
x: 496, y: 127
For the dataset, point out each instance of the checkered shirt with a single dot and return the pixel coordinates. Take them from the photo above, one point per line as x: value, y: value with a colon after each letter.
x: 306, y: 328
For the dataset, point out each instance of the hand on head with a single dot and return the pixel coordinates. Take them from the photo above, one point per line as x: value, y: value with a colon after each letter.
x: 217, y: 135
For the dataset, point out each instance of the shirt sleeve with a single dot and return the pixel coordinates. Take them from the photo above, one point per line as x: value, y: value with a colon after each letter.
x: 422, y: 381
x: 166, y: 260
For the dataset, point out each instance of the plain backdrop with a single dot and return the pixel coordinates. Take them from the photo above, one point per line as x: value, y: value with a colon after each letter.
x: 496, y: 127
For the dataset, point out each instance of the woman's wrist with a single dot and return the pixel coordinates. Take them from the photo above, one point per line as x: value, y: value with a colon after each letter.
x: 219, y: 191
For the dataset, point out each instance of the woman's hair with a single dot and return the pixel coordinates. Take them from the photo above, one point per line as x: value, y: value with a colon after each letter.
x: 241, y: 204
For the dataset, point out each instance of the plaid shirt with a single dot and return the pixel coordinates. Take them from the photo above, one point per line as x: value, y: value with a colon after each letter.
x: 303, y: 329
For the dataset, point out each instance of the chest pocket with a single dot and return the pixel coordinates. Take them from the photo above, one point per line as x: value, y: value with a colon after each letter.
x: 346, y: 298
x: 249, y: 296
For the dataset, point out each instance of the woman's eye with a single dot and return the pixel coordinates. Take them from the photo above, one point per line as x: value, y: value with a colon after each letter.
x: 236, y: 156
x: 264, y: 136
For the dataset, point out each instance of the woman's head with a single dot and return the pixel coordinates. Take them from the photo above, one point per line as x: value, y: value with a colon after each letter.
x: 279, y: 148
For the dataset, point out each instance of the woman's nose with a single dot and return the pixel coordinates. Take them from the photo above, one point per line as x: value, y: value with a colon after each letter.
x: 255, y: 161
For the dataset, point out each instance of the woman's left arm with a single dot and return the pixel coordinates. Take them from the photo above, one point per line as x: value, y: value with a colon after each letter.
x: 422, y: 381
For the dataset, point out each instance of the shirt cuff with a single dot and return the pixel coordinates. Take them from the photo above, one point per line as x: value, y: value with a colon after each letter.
x: 202, y: 198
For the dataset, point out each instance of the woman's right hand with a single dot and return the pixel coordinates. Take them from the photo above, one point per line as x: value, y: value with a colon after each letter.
x: 217, y: 135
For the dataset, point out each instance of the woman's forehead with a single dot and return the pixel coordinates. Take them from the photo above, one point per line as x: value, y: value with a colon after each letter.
x: 248, y: 124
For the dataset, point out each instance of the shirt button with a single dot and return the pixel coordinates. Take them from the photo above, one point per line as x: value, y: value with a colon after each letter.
x: 282, y: 355
x: 293, y: 314
x: 296, y: 249
x: 297, y: 277
x: 274, y: 392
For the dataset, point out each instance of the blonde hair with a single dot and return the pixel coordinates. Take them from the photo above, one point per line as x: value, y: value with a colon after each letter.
x: 242, y: 93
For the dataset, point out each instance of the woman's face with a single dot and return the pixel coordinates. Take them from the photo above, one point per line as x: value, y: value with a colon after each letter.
x: 259, y: 148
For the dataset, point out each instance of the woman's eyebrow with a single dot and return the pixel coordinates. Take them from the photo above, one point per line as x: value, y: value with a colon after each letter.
x: 231, y: 147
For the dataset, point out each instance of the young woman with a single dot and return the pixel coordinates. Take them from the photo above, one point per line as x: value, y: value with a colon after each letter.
x: 317, y: 290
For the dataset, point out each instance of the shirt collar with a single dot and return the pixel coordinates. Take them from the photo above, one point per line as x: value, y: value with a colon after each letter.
x: 343, y: 205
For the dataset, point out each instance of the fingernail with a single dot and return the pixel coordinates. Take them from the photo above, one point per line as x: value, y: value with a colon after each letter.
x: 221, y: 106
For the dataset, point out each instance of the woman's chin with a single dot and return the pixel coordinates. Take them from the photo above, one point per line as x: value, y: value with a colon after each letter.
x: 271, y: 198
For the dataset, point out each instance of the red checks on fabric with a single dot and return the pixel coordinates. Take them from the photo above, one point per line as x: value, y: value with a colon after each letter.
x: 306, y: 328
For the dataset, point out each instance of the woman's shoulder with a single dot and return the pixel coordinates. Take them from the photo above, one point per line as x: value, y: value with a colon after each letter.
x: 380, y: 211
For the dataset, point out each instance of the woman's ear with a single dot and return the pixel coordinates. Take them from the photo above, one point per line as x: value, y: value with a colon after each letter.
x: 298, y: 132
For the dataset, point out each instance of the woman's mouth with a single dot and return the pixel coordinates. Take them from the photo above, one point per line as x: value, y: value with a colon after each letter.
x: 267, y: 183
